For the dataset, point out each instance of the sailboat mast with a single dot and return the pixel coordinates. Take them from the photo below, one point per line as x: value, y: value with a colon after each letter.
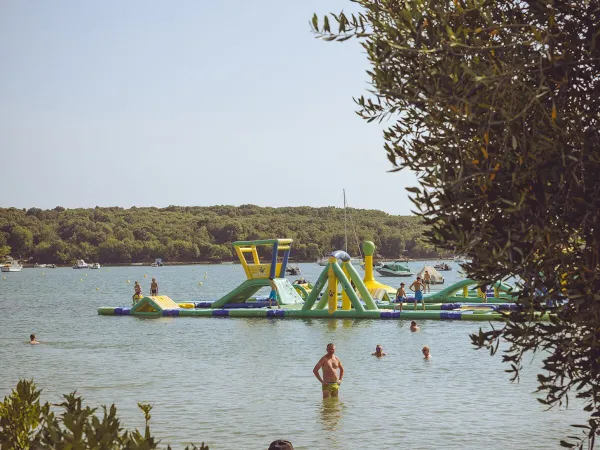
x: 345, y: 224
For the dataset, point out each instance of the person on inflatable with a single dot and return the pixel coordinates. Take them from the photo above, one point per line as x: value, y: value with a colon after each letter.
x: 137, y: 292
x: 400, y: 296
x: 418, y: 290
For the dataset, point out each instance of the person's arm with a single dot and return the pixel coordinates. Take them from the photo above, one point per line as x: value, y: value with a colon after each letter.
x: 316, y: 371
x: 341, y: 370
x: 411, y: 287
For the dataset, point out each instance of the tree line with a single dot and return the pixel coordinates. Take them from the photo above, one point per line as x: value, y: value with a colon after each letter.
x: 116, y: 235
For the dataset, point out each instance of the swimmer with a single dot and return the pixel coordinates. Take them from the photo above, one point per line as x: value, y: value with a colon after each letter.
x: 418, y: 286
x: 426, y: 353
x: 281, y: 444
x: 400, y: 296
x: 414, y: 326
x: 330, y: 364
x: 379, y: 351
x: 32, y: 340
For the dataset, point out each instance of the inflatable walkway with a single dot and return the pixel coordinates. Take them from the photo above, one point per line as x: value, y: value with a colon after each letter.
x: 344, y: 295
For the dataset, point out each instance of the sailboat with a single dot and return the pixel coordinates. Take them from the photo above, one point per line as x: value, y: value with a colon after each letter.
x: 323, y: 261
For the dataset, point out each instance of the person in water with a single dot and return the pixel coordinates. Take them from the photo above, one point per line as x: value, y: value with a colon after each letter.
x: 32, y: 339
x: 400, y: 296
x: 154, y: 287
x: 379, y: 351
x: 418, y: 290
x: 426, y: 353
x: 281, y: 444
x: 330, y: 364
x: 427, y: 281
x: 414, y: 326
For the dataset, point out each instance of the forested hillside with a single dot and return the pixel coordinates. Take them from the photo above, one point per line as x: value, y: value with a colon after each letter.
x: 117, y: 235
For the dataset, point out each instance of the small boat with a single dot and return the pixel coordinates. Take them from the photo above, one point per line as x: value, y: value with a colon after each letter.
x: 290, y: 270
x: 95, y: 266
x: 323, y: 261
x: 157, y: 263
x: 11, y: 266
x: 80, y: 264
x: 394, y: 269
x: 376, y: 265
x: 442, y: 267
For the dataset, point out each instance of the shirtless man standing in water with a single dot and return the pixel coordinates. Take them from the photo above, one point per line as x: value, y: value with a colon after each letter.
x: 330, y: 365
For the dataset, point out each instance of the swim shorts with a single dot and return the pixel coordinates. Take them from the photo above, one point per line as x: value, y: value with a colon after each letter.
x: 154, y: 292
x: 418, y: 296
x: 400, y: 299
x: 332, y: 386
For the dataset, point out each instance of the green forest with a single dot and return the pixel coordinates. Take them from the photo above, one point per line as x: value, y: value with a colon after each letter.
x: 116, y: 235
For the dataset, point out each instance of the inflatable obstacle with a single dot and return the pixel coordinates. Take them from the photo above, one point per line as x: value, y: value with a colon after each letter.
x: 339, y: 292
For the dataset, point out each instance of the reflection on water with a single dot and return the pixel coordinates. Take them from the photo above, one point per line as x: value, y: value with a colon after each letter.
x: 331, y: 413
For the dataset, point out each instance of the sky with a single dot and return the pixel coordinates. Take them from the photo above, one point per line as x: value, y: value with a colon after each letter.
x: 156, y: 103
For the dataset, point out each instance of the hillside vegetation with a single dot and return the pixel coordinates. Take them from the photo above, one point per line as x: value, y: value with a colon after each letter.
x: 186, y: 234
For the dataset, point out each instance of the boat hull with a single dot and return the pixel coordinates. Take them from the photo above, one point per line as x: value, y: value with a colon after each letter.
x: 11, y: 269
x: 387, y: 273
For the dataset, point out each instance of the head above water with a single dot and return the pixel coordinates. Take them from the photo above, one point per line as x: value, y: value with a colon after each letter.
x: 378, y: 349
x: 32, y: 337
x: 413, y: 323
x: 330, y: 349
x: 281, y: 445
x: 425, y: 351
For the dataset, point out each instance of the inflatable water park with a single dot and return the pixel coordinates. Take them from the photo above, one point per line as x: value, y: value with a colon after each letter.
x: 339, y: 292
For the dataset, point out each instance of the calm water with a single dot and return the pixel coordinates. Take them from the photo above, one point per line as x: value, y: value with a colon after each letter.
x: 242, y: 383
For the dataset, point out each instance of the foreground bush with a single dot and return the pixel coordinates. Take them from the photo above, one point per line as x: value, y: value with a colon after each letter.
x: 27, y: 424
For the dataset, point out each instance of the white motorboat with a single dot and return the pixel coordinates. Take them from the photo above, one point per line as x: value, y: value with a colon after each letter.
x: 442, y: 267
x: 323, y: 261
x: 12, y: 266
x: 80, y: 264
x: 376, y: 265
x: 394, y: 269
x: 95, y: 266
x: 157, y: 262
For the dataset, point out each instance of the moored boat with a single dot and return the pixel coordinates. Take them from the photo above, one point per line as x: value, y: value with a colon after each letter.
x: 442, y: 267
x: 12, y: 266
x: 95, y: 266
x: 80, y: 264
x: 394, y: 269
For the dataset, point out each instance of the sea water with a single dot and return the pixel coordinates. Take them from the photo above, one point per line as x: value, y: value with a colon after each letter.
x: 242, y: 383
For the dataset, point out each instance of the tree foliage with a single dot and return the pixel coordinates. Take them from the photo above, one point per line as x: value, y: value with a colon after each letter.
x: 117, y: 235
x: 27, y: 424
x: 496, y: 104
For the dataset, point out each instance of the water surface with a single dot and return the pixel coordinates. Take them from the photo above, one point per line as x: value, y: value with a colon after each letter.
x: 242, y: 383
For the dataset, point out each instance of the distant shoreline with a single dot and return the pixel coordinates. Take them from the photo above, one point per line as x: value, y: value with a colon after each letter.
x: 206, y: 263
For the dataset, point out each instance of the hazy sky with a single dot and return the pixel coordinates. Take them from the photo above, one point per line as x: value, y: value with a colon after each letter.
x: 153, y: 103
